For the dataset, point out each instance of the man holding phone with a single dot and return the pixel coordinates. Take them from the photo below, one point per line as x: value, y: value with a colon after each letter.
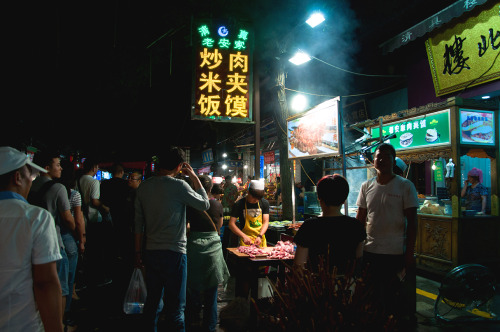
x: 160, y: 217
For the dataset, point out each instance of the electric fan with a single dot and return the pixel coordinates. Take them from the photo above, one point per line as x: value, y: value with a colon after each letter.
x: 466, y: 288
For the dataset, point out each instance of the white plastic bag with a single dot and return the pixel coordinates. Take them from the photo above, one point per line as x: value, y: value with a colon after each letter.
x: 136, y: 294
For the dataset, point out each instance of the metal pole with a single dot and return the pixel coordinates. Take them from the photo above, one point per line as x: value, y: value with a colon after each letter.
x: 256, y: 109
x: 292, y: 170
x: 341, y: 148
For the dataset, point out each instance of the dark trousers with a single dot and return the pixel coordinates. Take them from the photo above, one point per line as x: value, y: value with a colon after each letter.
x: 394, y: 295
x: 166, y: 273
x: 98, y: 252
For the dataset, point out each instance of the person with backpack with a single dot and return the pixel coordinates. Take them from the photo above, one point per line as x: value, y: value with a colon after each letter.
x: 47, y: 193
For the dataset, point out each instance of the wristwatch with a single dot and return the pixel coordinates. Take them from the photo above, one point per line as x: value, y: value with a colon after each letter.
x: 259, y: 236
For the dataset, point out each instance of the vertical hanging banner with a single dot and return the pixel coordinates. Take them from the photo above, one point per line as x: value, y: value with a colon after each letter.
x: 438, y: 171
x: 223, y: 75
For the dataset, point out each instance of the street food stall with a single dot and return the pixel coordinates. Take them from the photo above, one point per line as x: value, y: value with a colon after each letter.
x: 441, y: 145
x: 252, y: 258
x: 314, y: 134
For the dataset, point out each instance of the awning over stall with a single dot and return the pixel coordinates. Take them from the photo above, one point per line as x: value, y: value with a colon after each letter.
x: 429, y: 24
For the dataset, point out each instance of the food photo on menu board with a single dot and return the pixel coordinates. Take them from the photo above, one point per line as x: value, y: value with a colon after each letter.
x: 315, y: 132
x: 423, y: 131
x: 476, y: 127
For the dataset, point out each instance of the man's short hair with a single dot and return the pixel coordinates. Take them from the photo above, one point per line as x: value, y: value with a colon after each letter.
x: 89, y: 164
x: 170, y: 158
x: 387, y: 147
x: 117, y: 168
x: 333, y: 189
x: 45, y: 158
x: 135, y: 171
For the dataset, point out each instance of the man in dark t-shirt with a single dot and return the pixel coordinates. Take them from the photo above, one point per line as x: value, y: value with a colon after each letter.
x: 253, y: 214
x: 238, y: 210
x: 336, y: 237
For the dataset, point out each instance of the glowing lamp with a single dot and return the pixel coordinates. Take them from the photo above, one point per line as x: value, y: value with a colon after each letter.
x: 315, y: 19
x: 299, y: 58
x: 299, y: 103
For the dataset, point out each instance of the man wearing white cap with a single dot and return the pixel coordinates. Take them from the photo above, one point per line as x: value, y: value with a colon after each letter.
x: 30, y: 292
x: 253, y: 213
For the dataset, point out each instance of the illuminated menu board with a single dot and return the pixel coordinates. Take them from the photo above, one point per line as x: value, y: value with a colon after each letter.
x: 477, y: 127
x: 423, y: 131
x: 222, y: 89
x: 314, y: 133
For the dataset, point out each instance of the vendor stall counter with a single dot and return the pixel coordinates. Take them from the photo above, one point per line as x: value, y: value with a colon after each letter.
x: 442, y: 145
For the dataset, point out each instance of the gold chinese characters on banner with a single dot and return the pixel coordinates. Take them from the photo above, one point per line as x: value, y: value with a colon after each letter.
x: 222, y: 86
x: 466, y: 54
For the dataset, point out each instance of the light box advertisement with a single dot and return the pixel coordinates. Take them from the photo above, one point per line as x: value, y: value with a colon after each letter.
x: 477, y: 127
x: 424, y: 131
x: 314, y: 133
x: 223, y: 73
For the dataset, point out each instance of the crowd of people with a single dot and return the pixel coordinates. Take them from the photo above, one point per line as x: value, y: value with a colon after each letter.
x: 170, y: 225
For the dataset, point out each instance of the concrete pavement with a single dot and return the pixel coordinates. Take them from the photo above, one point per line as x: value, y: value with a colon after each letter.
x: 100, y: 309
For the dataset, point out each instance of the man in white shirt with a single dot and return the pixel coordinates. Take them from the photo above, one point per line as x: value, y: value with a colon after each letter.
x: 98, y: 225
x: 30, y: 292
x: 387, y: 204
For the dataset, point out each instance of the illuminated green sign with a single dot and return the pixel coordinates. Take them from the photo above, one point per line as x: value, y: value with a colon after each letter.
x: 438, y: 170
x: 239, y: 42
x: 222, y: 88
x: 428, y: 130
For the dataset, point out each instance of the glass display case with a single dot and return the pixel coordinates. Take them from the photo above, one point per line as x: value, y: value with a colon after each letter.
x: 432, y: 205
x: 311, y: 204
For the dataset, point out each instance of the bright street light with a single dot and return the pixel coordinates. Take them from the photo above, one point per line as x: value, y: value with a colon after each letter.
x: 315, y: 19
x: 299, y: 103
x: 299, y: 58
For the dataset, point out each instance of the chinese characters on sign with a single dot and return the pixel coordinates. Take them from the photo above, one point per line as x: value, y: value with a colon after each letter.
x: 477, y: 127
x: 223, y: 87
x: 424, y: 131
x: 465, y: 55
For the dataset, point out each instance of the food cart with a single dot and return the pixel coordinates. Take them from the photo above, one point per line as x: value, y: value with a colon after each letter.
x: 440, y: 143
x: 276, y: 257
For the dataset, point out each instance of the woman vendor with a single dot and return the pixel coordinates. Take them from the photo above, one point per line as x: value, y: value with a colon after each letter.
x: 474, y: 192
x: 253, y: 214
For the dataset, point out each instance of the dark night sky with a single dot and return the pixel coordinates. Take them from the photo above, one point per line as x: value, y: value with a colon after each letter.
x: 85, y: 79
